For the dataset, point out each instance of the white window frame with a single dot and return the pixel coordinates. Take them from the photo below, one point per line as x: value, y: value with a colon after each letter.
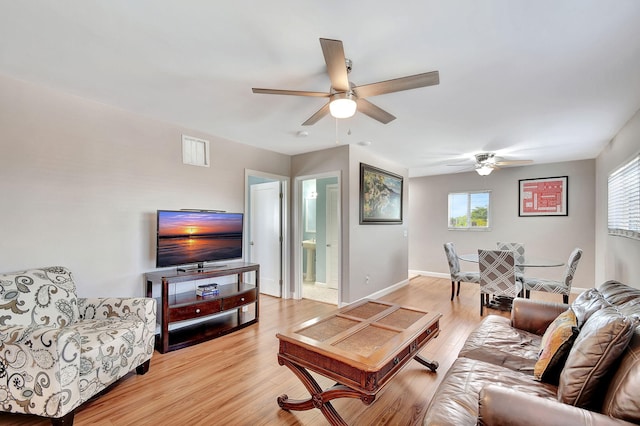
x: 469, y: 227
x: 623, y: 200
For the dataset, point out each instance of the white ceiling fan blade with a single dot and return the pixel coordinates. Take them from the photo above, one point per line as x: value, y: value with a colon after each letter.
x: 512, y: 162
x: 336, y: 64
x: 375, y: 112
x: 317, y: 116
x: 398, y: 84
x: 290, y: 92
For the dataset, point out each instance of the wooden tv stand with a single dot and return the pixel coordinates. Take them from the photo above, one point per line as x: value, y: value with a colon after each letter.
x: 221, y: 314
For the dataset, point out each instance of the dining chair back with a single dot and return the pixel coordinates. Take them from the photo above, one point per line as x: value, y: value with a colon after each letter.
x: 562, y: 286
x: 454, y: 269
x: 497, y: 275
x: 518, y: 249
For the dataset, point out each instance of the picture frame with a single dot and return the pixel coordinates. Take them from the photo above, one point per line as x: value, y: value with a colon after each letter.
x: 380, y: 196
x: 543, y: 196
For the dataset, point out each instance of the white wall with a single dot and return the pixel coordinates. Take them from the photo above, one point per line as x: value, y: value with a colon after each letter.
x: 618, y: 257
x: 80, y: 183
x: 552, y: 237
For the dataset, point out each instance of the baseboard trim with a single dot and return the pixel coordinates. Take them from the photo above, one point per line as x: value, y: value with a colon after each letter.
x: 578, y: 290
x: 380, y: 293
x: 415, y: 272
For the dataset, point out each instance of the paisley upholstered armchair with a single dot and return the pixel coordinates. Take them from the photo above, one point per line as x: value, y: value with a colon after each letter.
x: 58, y: 350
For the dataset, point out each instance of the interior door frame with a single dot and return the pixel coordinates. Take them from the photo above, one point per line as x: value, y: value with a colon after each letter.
x: 337, y: 212
x: 284, y: 225
x: 298, y: 228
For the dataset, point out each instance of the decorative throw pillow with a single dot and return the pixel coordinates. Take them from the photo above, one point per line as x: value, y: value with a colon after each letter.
x: 555, y: 346
x: 587, y: 303
x: 601, y: 341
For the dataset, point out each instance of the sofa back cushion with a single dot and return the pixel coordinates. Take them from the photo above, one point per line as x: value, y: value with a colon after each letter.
x: 602, y: 339
x: 38, y: 297
x: 621, y: 400
x: 618, y: 293
x: 587, y: 303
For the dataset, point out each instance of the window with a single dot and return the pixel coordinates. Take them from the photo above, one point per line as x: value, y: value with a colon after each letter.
x: 469, y: 210
x: 624, y: 200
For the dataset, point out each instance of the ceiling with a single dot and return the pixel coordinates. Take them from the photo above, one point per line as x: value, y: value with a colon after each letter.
x: 547, y: 80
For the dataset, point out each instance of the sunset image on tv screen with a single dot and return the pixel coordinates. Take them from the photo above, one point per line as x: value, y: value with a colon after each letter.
x: 195, y: 237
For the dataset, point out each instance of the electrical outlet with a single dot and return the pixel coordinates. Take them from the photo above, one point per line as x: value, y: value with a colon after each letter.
x: 366, y: 279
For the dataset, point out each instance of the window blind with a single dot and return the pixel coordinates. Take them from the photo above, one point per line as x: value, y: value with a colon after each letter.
x: 624, y: 200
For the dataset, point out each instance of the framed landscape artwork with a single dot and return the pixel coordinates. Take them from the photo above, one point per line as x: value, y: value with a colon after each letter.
x: 380, y: 196
x: 543, y: 196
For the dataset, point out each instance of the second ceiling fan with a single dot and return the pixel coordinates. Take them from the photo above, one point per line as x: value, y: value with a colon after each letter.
x: 486, y: 162
x: 344, y: 96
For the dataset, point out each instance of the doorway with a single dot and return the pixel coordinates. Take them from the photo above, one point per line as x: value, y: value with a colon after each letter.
x: 266, y: 228
x: 318, y: 238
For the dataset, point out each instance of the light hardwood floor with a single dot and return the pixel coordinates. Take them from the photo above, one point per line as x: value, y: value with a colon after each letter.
x: 235, y: 379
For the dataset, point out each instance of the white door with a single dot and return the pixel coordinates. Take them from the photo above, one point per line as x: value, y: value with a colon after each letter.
x: 332, y: 254
x: 264, y: 229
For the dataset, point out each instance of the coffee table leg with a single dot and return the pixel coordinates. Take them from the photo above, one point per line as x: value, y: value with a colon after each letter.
x: 319, y: 398
x: 431, y: 365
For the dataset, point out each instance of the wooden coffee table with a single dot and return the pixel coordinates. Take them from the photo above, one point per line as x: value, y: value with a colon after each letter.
x: 361, y: 346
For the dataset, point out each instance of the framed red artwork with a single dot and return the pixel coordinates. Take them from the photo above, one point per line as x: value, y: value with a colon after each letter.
x: 543, y: 196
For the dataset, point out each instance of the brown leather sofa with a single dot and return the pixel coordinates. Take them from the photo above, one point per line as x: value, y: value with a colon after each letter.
x: 492, y: 382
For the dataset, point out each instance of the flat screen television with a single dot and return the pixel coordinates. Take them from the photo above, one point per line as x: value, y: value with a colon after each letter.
x: 194, y: 237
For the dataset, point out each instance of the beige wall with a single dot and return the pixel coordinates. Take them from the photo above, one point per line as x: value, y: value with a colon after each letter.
x: 618, y: 257
x: 80, y: 183
x: 380, y: 252
x: 334, y: 160
x: 546, y: 237
x: 377, y: 251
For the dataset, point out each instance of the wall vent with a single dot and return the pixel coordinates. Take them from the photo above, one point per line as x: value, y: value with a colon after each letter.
x: 195, y: 152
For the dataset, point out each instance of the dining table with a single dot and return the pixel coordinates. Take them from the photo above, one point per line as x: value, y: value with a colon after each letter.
x: 529, y: 262
x: 504, y: 303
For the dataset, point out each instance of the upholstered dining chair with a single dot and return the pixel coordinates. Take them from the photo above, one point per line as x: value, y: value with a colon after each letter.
x: 454, y: 270
x: 497, y: 275
x: 518, y: 249
x: 563, y: 286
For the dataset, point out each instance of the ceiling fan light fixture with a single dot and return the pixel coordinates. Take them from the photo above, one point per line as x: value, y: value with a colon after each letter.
x: 342, y: 105
x: 484, y: 169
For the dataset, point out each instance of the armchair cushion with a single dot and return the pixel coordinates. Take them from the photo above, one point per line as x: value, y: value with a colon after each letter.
x: 38, y: 297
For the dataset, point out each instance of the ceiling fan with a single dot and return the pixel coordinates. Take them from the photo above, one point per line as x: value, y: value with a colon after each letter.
x: 486, y: 162
x: 344, y: 96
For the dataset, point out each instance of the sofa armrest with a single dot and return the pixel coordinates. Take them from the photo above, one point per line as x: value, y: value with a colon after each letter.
x: 138, y: 308
x: 40, y: 366
x: 499, y: 406
x: 534, y: 316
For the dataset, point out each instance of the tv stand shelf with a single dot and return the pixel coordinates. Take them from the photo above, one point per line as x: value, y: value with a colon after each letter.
x: 221, y: 313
